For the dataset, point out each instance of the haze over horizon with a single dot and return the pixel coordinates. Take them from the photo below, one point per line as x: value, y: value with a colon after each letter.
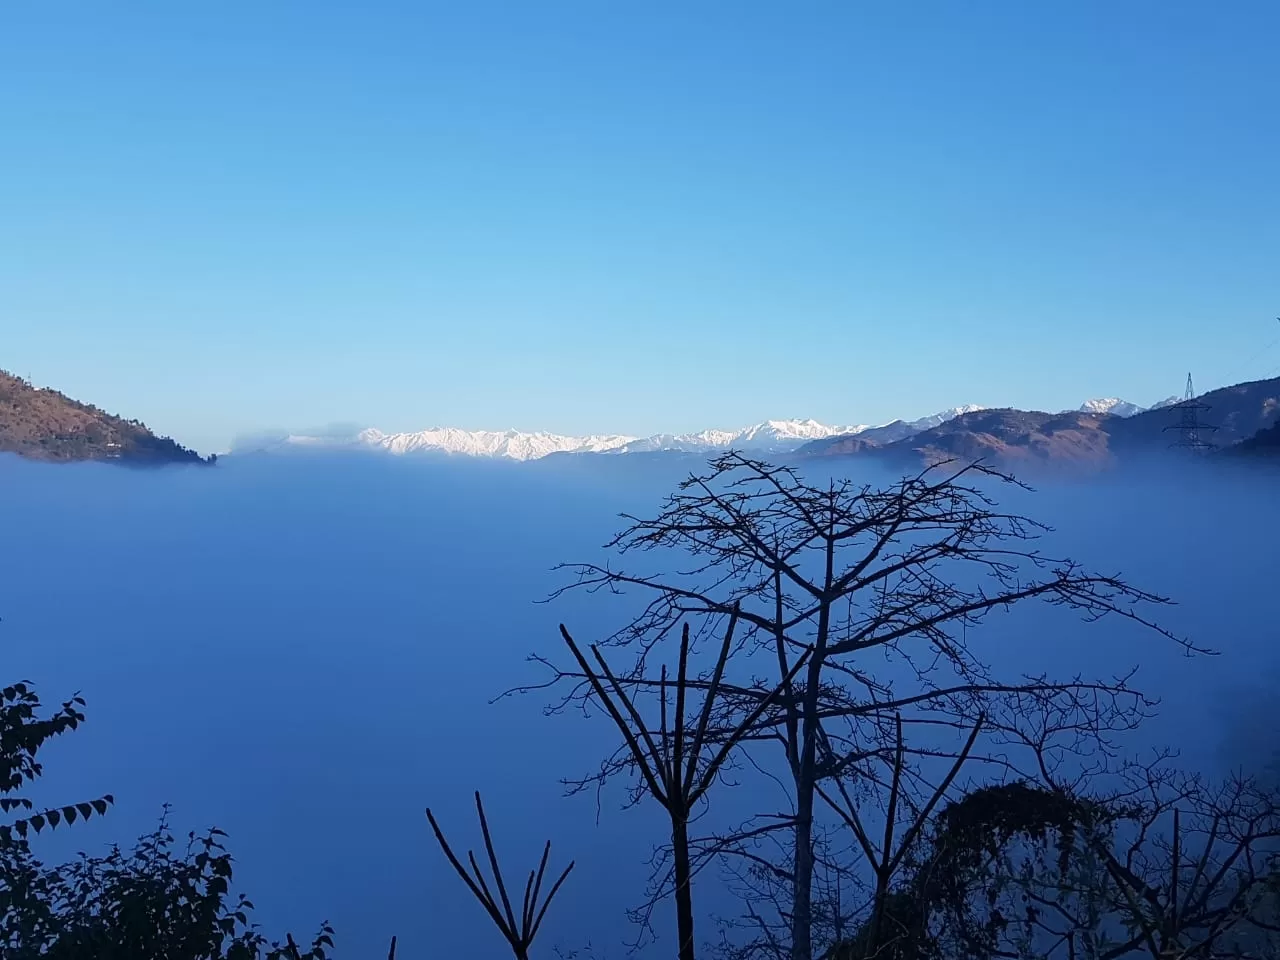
x: 237, y: 219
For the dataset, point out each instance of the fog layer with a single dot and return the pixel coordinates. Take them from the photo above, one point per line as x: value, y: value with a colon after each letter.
x: 302, y: 651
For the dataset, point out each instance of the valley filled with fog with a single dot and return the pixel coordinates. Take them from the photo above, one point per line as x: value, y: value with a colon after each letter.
x: 303, y: 650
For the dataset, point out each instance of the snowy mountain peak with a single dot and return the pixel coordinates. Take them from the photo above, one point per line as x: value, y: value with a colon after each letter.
x: 774, y: 431
x: 938, y: 419
x: 1112, y: 405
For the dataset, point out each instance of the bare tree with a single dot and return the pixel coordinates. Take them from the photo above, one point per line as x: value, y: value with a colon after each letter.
x: 520, y: 933
x: 880, y: 588
x: 889, y: 856
x: 1194, y: 874
x: 672, y: 762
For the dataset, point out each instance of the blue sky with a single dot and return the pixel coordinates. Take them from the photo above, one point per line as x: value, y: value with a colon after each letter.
x: 588, y: 217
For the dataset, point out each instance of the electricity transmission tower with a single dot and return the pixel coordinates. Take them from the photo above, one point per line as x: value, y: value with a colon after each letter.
x: 1189, y: 424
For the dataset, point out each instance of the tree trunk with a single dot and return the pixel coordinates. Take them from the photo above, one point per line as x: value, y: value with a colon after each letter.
x: 684, y: 890
x: 877, y: 912
x: 802, y: 882
x: 806, y: 785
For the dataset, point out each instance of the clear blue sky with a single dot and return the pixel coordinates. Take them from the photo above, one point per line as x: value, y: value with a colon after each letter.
x: 219, y: 217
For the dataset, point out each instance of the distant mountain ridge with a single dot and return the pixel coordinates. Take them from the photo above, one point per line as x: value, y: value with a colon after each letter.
x: 488, y: 443
x: 43, y: 424
x: 1079, y: 438
x: 1002, y: 435
x: 769, y: 437
x: 47, y: 425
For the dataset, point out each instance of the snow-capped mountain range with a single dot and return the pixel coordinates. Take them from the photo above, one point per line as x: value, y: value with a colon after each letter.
x: 772, y: 436
x: 511, y: 444
x: 769, y: 437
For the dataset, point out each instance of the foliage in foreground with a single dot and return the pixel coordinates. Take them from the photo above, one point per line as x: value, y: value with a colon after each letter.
x: 157, y: 901
x: 23, y: 732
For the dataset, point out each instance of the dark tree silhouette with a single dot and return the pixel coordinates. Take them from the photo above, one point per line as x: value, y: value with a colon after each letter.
x: 520, y: 933
x: 1189, y: 868
x: 673, y: 762
x: 887, y: 858
x: 1163, y: 866
x: 857, y: 577
x: 22, y: 733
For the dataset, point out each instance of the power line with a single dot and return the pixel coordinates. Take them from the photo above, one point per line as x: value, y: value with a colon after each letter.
x: 1264, y: 350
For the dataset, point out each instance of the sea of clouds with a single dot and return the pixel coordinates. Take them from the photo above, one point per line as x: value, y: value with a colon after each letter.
x: 303, y: 652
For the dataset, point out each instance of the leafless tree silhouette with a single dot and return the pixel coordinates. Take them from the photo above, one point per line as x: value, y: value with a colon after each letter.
x: 672, y: 761
x: 519, y: 934
x: 879, y: 589
x: 886, y: 859
x: 1191, y: 871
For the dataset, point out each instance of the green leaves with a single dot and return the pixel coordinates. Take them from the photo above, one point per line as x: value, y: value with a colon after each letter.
x: 153, y: 902
x: 156, y: 901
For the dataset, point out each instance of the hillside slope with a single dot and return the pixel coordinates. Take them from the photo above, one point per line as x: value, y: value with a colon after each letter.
x: 1004, y: 436
x: 1075, y: 439
x: 43, y: 424
x: 1238, y: 411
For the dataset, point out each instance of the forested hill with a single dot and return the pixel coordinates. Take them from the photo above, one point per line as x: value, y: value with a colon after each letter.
x: 43, y: 424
